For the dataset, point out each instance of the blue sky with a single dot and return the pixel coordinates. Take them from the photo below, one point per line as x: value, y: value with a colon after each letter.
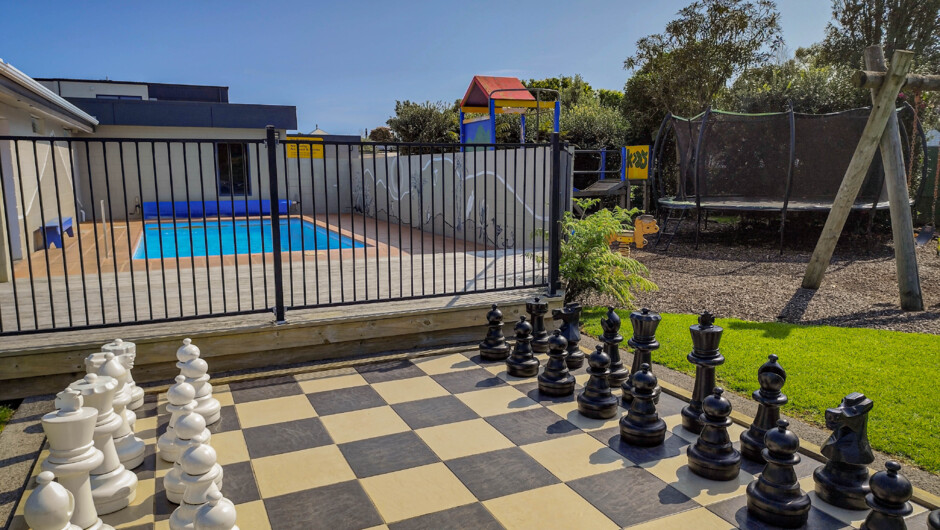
x: 344, y: 63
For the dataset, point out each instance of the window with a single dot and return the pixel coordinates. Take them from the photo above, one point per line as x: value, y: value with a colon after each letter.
x: 233, y: 169
x: 115, y: 96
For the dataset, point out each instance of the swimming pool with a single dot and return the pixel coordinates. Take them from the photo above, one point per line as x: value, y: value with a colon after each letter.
x: 243, y: 236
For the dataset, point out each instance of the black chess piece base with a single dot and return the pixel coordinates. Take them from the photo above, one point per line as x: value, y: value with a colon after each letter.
x: 527, y: 368
x: 551, y: 387
x: 495, y: 354
x: 690, y: 418
x: 933, y: 520
x: 618, y: 375
x: 843, y: 485
x: 574, y: 359
x: 601, y: 409
x: 642, y: 435
x: 791, y: 512
x: 714, y: 467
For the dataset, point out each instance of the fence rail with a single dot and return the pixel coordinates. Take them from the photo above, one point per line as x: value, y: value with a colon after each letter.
x: 110, y: 231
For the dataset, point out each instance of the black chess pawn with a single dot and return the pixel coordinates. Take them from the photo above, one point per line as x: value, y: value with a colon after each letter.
x: 555, y: 380
x: 570, y: 316
x: 713, y: 456
x: 643, y: 342
x: 933, y: 520
x: 889, y: 499
x: 522, y: 363
x: 775, y: 496
x: 612, y: 339
x: 596, y: 400
x: 706, y: 357
x: 537, y: 308
x: 771, y: 377
x: 843, y: 480
x: 642, y: 425
x: 494, y: 347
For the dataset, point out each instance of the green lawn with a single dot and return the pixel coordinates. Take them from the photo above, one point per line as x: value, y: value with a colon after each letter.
x: 900, y: 372
x: 5, y: 414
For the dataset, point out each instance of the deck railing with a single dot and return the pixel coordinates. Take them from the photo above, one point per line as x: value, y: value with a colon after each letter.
x: 109, y: 231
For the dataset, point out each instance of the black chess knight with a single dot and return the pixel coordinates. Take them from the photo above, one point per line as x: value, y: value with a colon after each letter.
x: 642, y: 425
x: 643, y: 342
x: 888, y: 500
x: 713, y: 456
x: 537, y: 308
x: 771, y: 377
x: 596, y: 400
x: 775, y: 496
x: 494, y: 347
x: 555, y: 380
x: 843, y: 480
x: 612, y: 339
x: 570, y: 316
x: 706, y: 357
x: 522, y: 363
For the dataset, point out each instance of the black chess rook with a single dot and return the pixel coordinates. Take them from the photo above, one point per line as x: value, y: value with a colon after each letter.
x: 494, y: 347
x: 555, y: 379
x: 889, y: 499
x: 775, y: 496
x: 596, y: 400
x: 843, y: 480
x: 713, y: 456
x: 522, y: 363
x: 537, y: 308
x: 643, y: 342
x: 706, y: 356
x: 642, y: 425
x: 771, y: 377
x: 570, y: 316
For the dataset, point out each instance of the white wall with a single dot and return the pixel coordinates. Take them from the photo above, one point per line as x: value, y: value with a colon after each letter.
x: 90, y: 89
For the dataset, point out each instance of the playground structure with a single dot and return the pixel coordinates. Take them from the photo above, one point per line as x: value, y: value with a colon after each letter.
x: 513, y: 98
x: 634, y: 167
x: 643, y: 226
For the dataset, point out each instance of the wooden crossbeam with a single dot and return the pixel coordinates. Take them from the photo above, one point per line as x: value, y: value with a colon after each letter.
x: 874, y: 80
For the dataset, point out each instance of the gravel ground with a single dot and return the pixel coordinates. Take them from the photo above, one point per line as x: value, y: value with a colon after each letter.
x: 753, y: 281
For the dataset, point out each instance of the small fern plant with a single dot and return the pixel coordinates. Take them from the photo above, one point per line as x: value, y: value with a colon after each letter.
x: 588, y: 266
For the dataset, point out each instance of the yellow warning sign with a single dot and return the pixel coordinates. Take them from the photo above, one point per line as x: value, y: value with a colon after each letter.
x: 638, y: 167
x: 303, y: 150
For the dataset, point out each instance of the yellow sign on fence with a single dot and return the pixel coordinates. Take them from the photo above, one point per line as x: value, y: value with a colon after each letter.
x: 638, y: 167
x: 298, y: 150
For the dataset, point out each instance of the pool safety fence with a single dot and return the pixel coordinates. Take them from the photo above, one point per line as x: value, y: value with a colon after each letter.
x: 110, y: 231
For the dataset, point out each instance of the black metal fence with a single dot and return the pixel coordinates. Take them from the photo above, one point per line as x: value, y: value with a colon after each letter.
x: 109, y: 231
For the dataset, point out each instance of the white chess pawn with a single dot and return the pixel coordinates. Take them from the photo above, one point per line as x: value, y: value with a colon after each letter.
x: 182, y: 408
x: 189, y: 428
x: 50, y: 505
x: 217, y: 514
x: 200, y: 471
x: 72, y: 454
x: 130, y: 448
x: 113, y: 487
x: 196, y: 370
x: 126, y: 352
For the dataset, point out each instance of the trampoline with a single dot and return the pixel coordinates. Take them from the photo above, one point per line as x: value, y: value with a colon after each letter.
x: 773, y: 162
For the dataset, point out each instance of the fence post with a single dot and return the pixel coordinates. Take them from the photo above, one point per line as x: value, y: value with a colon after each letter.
x: 274, y: 198
x: 554, y: 236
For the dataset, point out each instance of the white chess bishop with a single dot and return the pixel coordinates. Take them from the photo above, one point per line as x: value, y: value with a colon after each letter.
x: 217, y: 514
x: 200, y: 471
x: 195, y: 370
x: 182, y: 409
x: 50, y: 505
x: 126, y: 352
x: 113, y: 486
x: 72, y: 454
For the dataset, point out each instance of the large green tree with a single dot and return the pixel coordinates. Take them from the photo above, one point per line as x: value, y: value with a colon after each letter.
x: 425, y: 122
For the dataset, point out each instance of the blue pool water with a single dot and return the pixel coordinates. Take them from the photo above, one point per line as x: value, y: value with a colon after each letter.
x: 244, y: 236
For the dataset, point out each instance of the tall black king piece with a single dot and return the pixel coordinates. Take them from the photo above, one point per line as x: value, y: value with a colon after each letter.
x: 555, y: 380
x: 642, y: 425
x: 771, y: 377
x: 889, y: 499
x: 537, y: 308
x: 713, y: 456
x: 705, y: 356
x: 596, y: 400
x: 775, y: 496
x: 522, y: 363
x: 843, y: 480
x: 643, y: 342
x: 494, y: 347
x: 570, y: 316
x: 612, y: 339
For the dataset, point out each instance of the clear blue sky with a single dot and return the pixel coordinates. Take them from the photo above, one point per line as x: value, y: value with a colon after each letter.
x: 344, y: 63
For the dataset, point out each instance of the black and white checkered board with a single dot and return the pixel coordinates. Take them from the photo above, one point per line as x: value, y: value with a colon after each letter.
x: 448, y: 441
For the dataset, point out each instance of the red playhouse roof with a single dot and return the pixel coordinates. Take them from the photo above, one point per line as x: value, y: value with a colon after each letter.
x: 478, y: 93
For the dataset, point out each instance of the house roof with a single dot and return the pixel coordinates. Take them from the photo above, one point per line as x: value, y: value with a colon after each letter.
x: 478, y: 93
x: 19, y: 85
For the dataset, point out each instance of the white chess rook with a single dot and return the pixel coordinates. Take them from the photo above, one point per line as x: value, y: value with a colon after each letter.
x: 113, y: 486
x: 130, y: 448
x: 72, y: 454
x: 217, y: 514
x: 181, y: 394
x: 189, y: 428
x: 94, y: 364
x: 50, y: 505
x: 200, y: 470
x: 195, y: 370
x: 126, y: 352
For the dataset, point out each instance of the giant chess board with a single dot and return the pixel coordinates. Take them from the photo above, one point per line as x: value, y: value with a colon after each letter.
x: 446, y: 441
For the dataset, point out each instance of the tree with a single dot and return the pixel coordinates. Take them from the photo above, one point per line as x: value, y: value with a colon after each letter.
x: 571, y: 89
x: 429, y: 122
x: 382, y: 134
x: 609, y: 98
x: 711, y: 42
x: 593, y: 126
x: 895, y: 24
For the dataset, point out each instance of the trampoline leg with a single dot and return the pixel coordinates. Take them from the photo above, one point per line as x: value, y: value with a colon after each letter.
x: 698, y: 227
x: 783, y: 224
